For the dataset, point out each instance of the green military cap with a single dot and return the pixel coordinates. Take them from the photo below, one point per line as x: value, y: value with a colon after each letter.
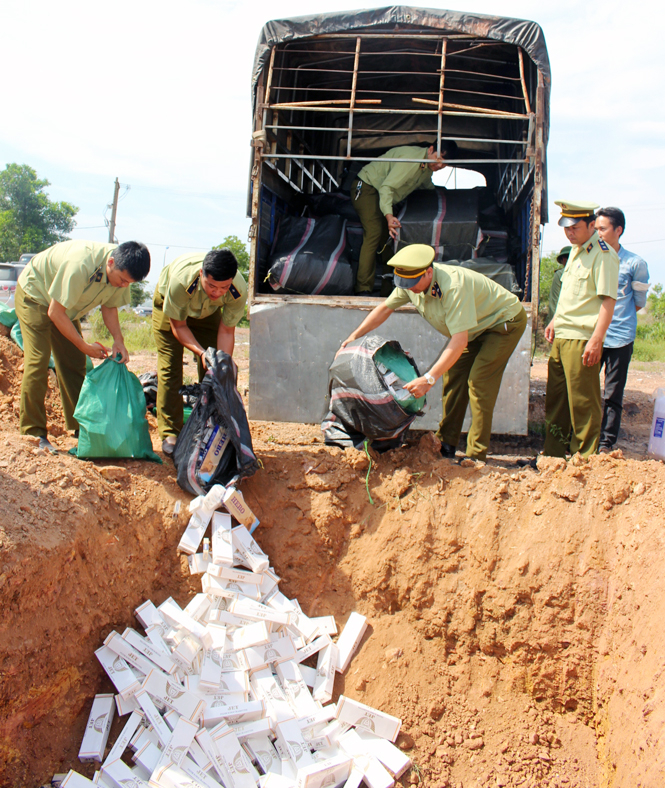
x: 562, y: 257
x: 572, y: 212
x: 411, y: 264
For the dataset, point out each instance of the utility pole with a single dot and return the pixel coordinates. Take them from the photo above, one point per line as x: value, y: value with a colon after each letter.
x: 114, y: 209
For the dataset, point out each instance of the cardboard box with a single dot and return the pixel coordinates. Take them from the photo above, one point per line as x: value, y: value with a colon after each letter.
x: 378, y: 722
x: 193, y: 534
x: 161, y: 729
x: 208, y: 746
x: 145, y: 647
x: 291, y: 740
x: 173, y: 614
x: 75, y: 780
x: 264, y: 753
x: 295, y: 688
x: 126, y: 735
x: 133, y: 658
x: 326, y: 773
x: 325, y: 669
x: 235, y: 505
x: 222, y: 543
x: 396, y: 761
x: 190, y: 767
x: 275, y: 651
x: 122, y: 776
x: 178, y: 745
x: 97, y: 729
x: 252, y: 554
x: 238, y: 765
x: 233, y: 714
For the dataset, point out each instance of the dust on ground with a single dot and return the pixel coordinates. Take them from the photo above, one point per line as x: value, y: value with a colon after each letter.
x: 514, y: 615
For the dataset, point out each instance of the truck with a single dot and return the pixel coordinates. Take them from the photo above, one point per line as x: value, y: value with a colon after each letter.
x: 334, y: 91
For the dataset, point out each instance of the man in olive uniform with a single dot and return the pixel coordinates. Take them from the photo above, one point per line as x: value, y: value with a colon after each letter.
x: 382, y: 184
x: 555, y: 289
x: 198, y: 302
x: 573, y: 408
x: 54, y: 291
x: 484, y: 322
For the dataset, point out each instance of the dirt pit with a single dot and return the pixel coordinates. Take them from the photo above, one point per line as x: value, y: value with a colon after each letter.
x: 514, y: 615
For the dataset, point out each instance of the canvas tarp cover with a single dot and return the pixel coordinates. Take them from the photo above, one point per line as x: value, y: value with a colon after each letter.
x: 361, y: 405
x: 519, y: 32
x: 220, y: 404
x: 311, y: 257
x: 501, y: 273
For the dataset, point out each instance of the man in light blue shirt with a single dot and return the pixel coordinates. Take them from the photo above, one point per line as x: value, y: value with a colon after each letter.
x: 618, y: 345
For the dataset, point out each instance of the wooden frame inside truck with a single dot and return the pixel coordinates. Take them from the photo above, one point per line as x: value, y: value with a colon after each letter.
x: 334, y: 91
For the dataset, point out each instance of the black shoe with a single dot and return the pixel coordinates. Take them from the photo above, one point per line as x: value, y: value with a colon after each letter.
x: 448, y: 451
x: 46, y: 445
x: 533, y: 463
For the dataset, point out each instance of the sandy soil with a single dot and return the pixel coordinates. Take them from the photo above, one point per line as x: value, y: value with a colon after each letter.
x: 514, y: 614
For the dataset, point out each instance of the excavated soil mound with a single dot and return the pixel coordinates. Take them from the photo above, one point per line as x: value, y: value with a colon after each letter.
x: 514, y: 615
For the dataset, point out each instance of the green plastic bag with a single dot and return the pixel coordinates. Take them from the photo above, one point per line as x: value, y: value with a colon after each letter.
x: 17, y: 335
x: 7, y: 316
x: 398, y: 363
x: 111, y: 415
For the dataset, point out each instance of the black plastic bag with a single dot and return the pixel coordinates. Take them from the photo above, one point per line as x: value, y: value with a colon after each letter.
x: 148, y: 381
x: 361, y: 404
x: 310, y: 257
x: 215, y: 445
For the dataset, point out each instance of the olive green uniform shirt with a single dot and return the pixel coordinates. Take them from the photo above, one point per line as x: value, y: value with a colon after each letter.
x: 396, y: 180
x: 459, y: 300
x: 73, y: 273
x: 592, y: 271
x: 180, y: 287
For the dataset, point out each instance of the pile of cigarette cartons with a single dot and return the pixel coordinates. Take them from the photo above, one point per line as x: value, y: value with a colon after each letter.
x: 217, y: 693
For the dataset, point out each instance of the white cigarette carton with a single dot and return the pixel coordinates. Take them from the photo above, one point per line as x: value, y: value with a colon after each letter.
x: 252, y: 554
x: 97, y: 729
x: 233, y: 661
x: 325, y: 669
x: 278, y: 601
x: 117, y: 669
x: 171, y: 718
x: 332, y: 771
x: 396, y: 761
x: 178, y: 745
x: 276, y: 651
x: 214, y: 497
x: 173, y: 695
x: 267, y: 689
x: 190, y: 766
x: 268, y: 585
x: 378, y: 722
x: 198, y: 606
x: 196, y: 528
x: 177, y: 617
x: 303, y: 625
x: 326, y: 624
x: 291, y: 740
x: 227, y: 619
x: 122, y: 776
x: 222, y: 543
x: 145, y: 647
x: 199, y: 757
x: 198, y: 563
x: 349, y: 640
x: 211, y: 669
x: 236, y: 575
x: 149, y: 616
x: 242, y: 772
x: 185, y: 653
x: 321, y: 716
x: 355, y: 778
x: 235, y: 505
x: 161, y: 729
x: 169, y: 775
x: 133, y: 658
x: 126, y: 735
x: 215, y: 586
x: 272, y: 780
x: 309, y: 675
x: 255, y: 634
x: 373, y: 772
x: 155, y: 635
x: 208, y: 746
x: 75, y: 780
x: 258, y: 612
x: 245, y: 730
x: 126, y: 706
x: 264, y: 753
x: 233, y: 714
x: 295, y: 688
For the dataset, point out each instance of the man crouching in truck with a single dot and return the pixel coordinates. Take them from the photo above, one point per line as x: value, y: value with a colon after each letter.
x: 382, y: 184
x: 198, y: 303
x: 484, y: 322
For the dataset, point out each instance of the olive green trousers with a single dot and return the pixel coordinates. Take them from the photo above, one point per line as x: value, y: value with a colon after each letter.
x: 375, y: 233
x: 41, y: 338
x: 474, y: 380
x: 573, y: 408
x: 169, y: 365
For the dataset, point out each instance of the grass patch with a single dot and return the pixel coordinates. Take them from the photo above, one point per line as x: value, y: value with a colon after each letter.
x: 136, y: 331
x: 650, y: 340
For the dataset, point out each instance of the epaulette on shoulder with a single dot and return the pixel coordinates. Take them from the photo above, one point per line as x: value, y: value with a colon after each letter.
x: 234, y: 291
x: 603, y: 245
x: 97, y: 275
x: 193, y: 286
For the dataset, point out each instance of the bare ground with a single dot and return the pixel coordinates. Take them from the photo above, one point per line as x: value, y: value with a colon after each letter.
x: 521, y: 607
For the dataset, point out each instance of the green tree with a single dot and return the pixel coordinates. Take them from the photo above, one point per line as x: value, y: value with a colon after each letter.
x: 29, y: 220
x: 139, y: 292
x: 656, y: 302
x: 239, y: 249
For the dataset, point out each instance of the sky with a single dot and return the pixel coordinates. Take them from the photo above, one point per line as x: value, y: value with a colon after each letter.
x: 157, y: 94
